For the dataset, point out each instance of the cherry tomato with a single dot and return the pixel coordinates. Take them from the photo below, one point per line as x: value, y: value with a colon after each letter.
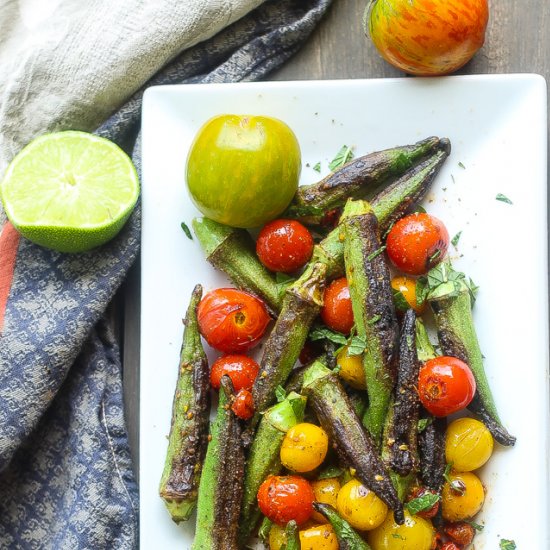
x: 449, y: 546
x: 243, y: 170
x: 304, y: 447
x: 446, y: 385
x: 360, y: 507
x: 415, y: 534
x: 461, y: 533
x: 336, y: 311
x: 285, y: 498
x: 462, y: 497
x: 232, y: 320
x: 468, y: 444
x: 417, y: 492
x: 425, y: 37
x: 351, y: 369
x: 284, y: 245
x: 320, y: 537
x: 326, y: 492
x: 243, y: 406
x: 416, y: 243
x: 241, y: 369
x: 407, y: 287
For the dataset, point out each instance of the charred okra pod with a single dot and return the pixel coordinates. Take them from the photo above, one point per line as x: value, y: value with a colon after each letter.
x: 188, y: 437
x: 348, y: 538
x: 354, y: 445
x: 357, y: 179
x: 450, y: 298
x: 373, y: 310
x: 302, y: 303
x: 264, y: 456
x: 431, y: 444
x: 402, y: 434
x: 221, y: 489
x: 233, y: 251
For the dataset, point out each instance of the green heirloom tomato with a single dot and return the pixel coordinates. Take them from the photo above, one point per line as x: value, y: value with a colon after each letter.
x: 243, y: 171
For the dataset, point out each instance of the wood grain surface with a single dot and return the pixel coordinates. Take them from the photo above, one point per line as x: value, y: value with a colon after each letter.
x: 517, y: 41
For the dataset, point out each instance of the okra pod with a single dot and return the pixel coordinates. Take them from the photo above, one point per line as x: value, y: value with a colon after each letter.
x: 373, y: 310
x: 402, y: 435
x: 354, y: 445
x: 292, y: 539
x: 221, y: 485
x: 264, y: 456
x: 301, y: 305
x: 348, y: 538
x: 188, y: 437
x: 451, y: 303
x: 431, y: 445
x: 357, y: 179
x: 233, y: 251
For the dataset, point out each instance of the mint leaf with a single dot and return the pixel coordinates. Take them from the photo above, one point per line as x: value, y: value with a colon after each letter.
x: 317, y: 167
x: 323, y: 333
x: 377, y: 252
x: 456, y: 238
x: 186, y: 230
x: 399, y: 300
x: 424, y: 502
x: 356, y: 345
x: 330, y: 472
x: 423, y: 423
x: 506, y: 544
x: 280, y: 394
x: 503, y: 198
x: 344, y: 155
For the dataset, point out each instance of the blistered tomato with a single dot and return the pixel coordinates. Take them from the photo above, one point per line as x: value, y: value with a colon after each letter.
x: 416, y: 243
x: 284, y: 245
x: 304, y: 447
x: 336, y: 312
x: 232, y: 320
x: 462, y: 497
x: 283, y: 498
x: 241, y: 369
x: 468, y: 444
x: 243, y: 405
x: 360, y: 507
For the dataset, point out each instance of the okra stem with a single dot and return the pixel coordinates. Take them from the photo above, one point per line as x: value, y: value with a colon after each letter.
x: 458, y: 338
x: 354, y: 445
x: 291, y: 536
x: 357, y: 179
x: 264, y: 456
x: 348, y: 538
x: 233, y: 251
x: 188, y: 437
x: 221, y: 485
x: 373, y: 310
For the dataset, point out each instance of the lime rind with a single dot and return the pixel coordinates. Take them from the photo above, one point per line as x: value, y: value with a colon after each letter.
x: 70, y: 191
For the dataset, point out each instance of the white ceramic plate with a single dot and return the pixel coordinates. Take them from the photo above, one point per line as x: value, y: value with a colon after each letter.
x: 497, y: 126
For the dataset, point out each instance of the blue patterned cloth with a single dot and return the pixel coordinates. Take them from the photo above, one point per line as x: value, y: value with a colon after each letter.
x: 66, y: 478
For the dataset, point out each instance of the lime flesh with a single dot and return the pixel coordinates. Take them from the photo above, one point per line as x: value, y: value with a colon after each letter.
x: 70, y: 191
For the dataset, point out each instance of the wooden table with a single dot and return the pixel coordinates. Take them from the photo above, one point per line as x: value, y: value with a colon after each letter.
x: 517, y: 41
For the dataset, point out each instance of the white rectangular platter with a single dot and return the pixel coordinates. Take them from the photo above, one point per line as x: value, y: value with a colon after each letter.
x: 498, y: 129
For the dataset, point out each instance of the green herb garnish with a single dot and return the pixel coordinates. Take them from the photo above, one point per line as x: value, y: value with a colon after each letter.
x: 421, y: 503
x: 280, y: 394
x: 503, y: 198
x: 186, y: 230
x: 423, y: 423
x: 506, y: 544
x: 376, y: 253
x: 344, y: 155
x: 317, y: 167
x: 456, y: 238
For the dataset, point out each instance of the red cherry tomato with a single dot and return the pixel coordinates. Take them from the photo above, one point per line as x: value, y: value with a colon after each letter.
x: 416, y: 243
x: 285, y: 498
x: 460, y: 533
x: 231, y: 320
x: 449, y: 546
x: 420, y: 492
x: 241, y: 369
x: 284, y: 245
x: 243, y: 406
x: 336, y: 312
x: 446, y: 385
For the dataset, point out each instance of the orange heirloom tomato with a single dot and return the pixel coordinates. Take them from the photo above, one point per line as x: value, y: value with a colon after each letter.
x: 231, y: 320
x: 427, y: 37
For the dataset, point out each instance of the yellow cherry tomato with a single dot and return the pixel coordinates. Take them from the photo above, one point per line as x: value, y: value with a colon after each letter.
x: 463, y: 497
x: 468, y: 444
x: 351, y: 369
x: 326, y: 492
x: 415, y: 534
x: 277, y: 538
x: 360, y: 507
x: 304, y: 447
x: 407, y: 287
x: 321, y: 537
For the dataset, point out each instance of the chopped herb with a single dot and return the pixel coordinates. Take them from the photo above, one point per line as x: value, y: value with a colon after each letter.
x: 323, y: 333
x: 317, y: 167
x: 503, y: 198
x: 397, y: 536
x: 446, y: 475
x: 462, y: 166
x: 186, y: 230
x: 456, y: 238
x: 283, y: 278
x: 330, y: 472
x: 475, y: 525
x: 388, y: 231
x: 356, y: 345
x: 421, y: 503
x: 435, y: 255
x: 344, y: 154
x: 399, y: 300
x: 377, y: 252
x: 374, y: 319
x: 506, y: 544
x: 423, y: 423
x: 265, y: 527
x: 419, y: 209
x: 280, y: 394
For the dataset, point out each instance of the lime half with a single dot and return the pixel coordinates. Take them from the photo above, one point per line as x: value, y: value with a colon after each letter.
x: 70, y: 191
